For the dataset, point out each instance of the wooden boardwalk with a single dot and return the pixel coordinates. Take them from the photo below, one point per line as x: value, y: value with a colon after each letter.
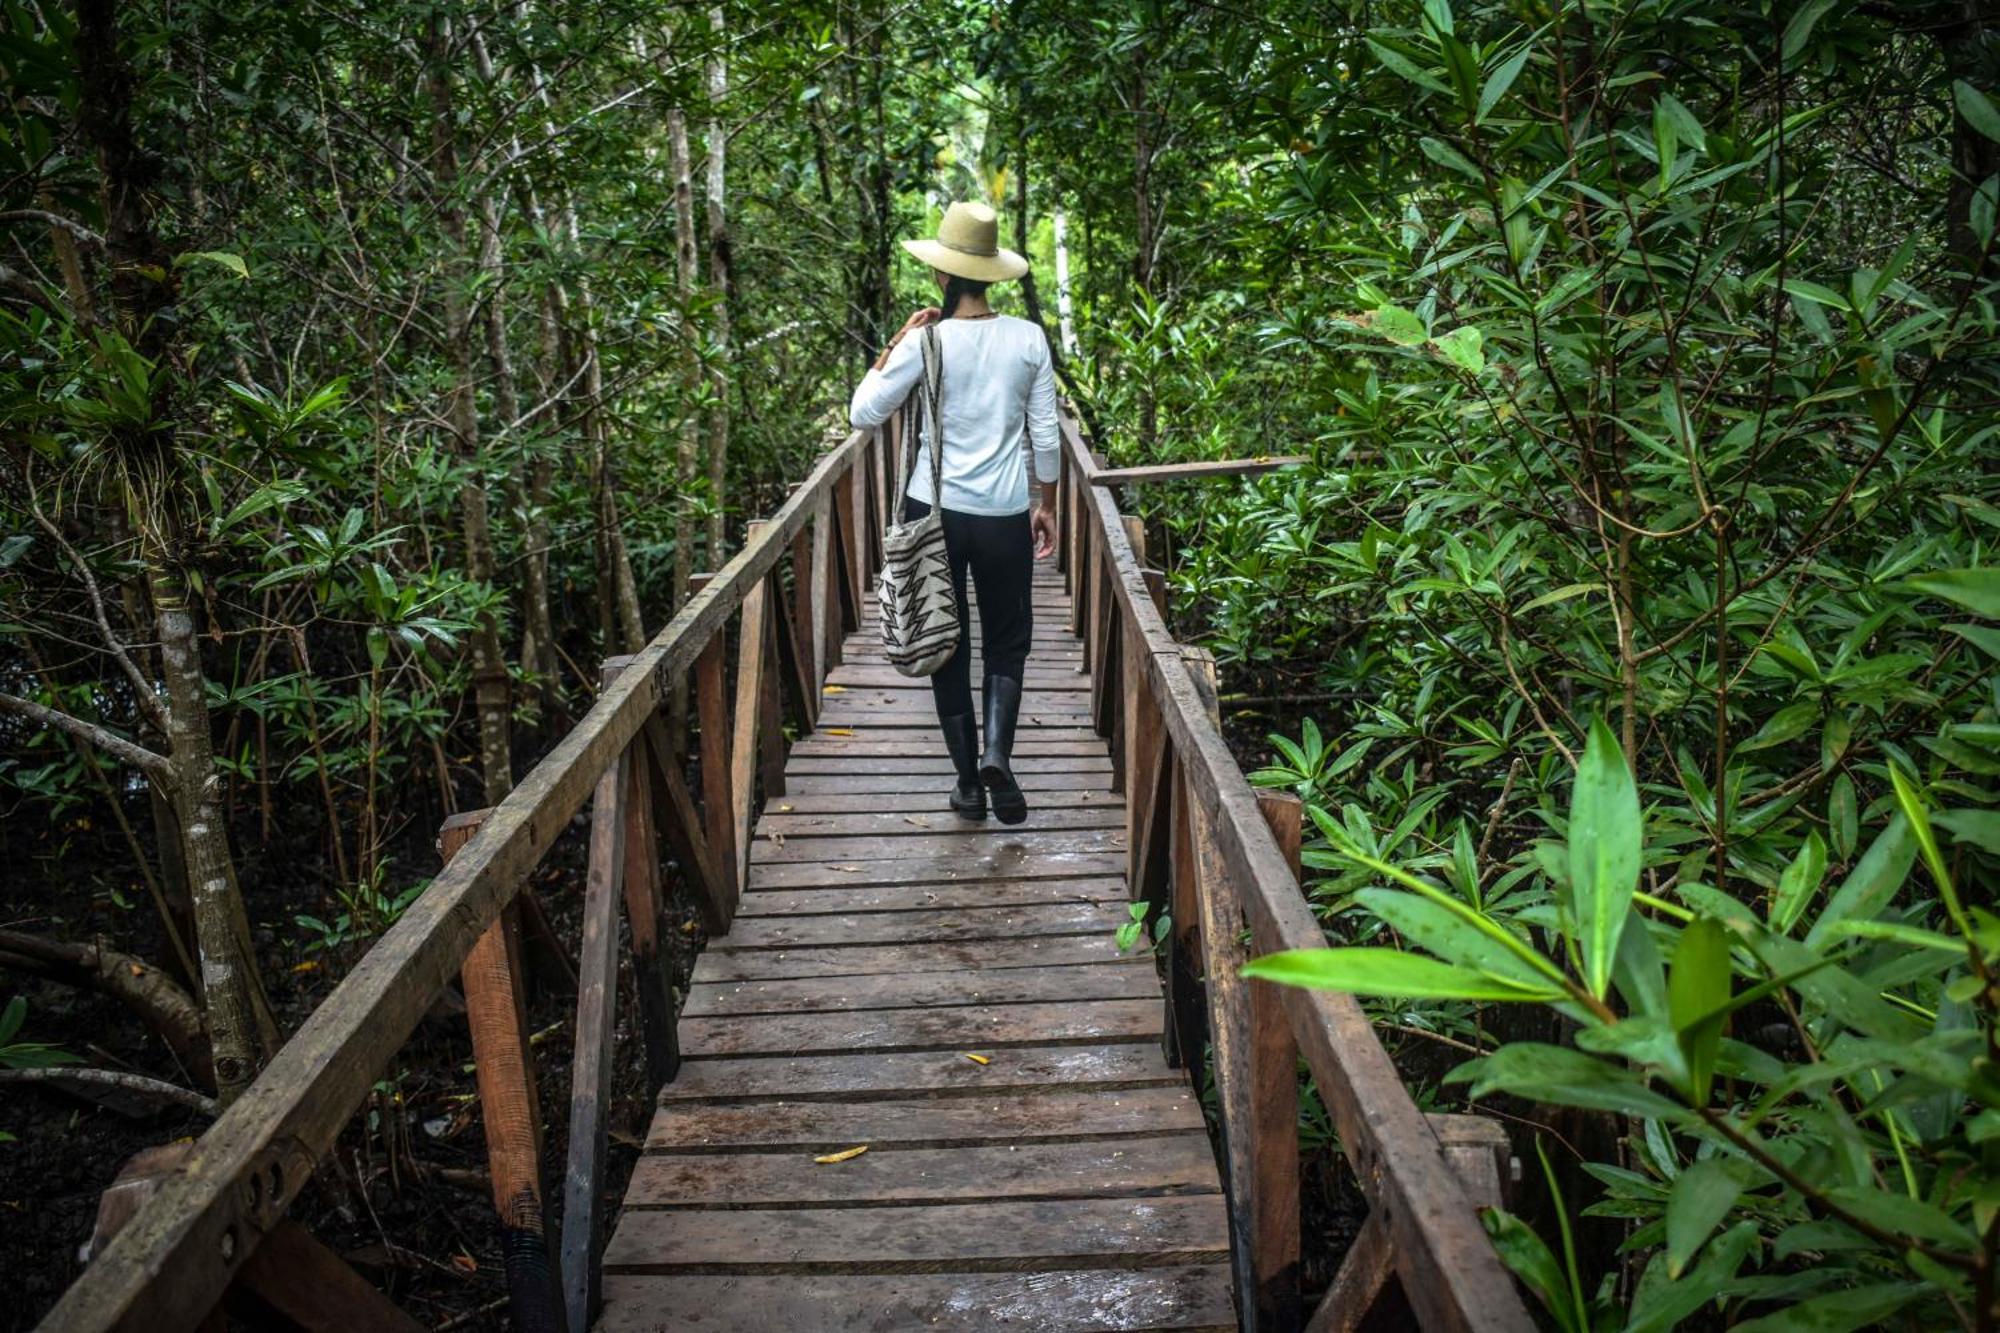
x: 1062, y: 1180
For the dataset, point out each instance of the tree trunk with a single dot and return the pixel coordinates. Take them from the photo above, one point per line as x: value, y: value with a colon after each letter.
x: 719, y: 280
x: 689, y: 456
x: 1142, y: 207
x: 489, y: 663
x: 161, y: 1004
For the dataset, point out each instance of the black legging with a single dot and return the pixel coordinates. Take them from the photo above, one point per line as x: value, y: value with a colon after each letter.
x: 999, y: 550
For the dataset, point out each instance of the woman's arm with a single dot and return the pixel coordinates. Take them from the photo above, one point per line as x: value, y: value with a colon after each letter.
x: 889, y: 381
x: 1045, y: 435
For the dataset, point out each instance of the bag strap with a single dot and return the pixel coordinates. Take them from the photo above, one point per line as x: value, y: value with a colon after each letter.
x: 922, y: 402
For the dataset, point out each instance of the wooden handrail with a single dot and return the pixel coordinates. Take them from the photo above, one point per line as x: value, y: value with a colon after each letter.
x: 1451, y: 1275
x: 172, y: 1262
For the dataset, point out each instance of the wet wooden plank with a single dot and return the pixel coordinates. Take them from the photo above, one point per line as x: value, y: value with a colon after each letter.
x: 938, y: 763
x: 823, y: 784
x: 1164, y: 1165
x: 998, y: 862
x: 974, y: 1027
x: 904, y: 897
x: 1091, y: 1300
x: 791, y: 824
x: 1176, y: 1230
x: 1008, y: 1069
x: 903, y: 742
x: 979, y: 842
x: 861, y: 959
x: 1128, y: 977
x: 956, y: 923
x: 818, y: 1127
x: 929, y: 798
x: 869, y: 675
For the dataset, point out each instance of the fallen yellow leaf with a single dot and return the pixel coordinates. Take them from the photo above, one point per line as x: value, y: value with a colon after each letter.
x: 844, y: 1155
x: 978, y: 1059
x: 833, y: 689
x: 305, y: 967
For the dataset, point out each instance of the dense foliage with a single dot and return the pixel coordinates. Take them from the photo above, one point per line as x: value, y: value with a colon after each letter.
x: 370, y: 371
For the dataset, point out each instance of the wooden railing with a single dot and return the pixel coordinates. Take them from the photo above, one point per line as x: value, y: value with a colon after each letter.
x: 1221, y: 861
x: 204, y: 1220
x: 1221, y: 857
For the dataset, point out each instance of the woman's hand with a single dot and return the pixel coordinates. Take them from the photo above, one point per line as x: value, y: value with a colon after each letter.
x: 1042, y: 523
x: 917, y: 320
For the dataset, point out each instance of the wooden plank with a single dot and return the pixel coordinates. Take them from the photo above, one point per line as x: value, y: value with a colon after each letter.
x: 1016, y: 841
x: 1111, y: 980
x: 1273, y: 1103
x: 744, y: 729
x: 770, y: 703
x: 510, y: 1110
x: 1176, y: 1230
x: 850, y: 784
x: 792, y: 825
x: 596, y: 1024
x: 861, y: 959
x: 1150, y: 1167
x: 960, y: 923
x: 798, y: 641
x: 928, y: 800
x: 818, y: 1127
x: 1088, y: 1300
x: 314, y: 1290
x: 1002, y: 861
x: 1366, y: 1269
x: 681, y: 824
x: 718, y: 798
x: 992, y: 895
x: 820, y: 1077
x: 975, y: 1027
x: 646, y: 921
x: 828, y: 626
x: 863, y: 675
x: 1216, y: 467
x: 940, y: 764
x: 923, y: 745
x: 169, y: 1266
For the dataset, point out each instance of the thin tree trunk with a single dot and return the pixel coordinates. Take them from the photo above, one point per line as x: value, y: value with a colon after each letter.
x: 489, y: 664
x: 719, y: 280
x: 689, y: 453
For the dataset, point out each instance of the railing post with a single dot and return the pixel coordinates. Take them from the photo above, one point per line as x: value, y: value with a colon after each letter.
x: 718, y: 800
x: 510, y: 1111
x: 804, y: 625
x: 645, y: 913
x: 750, y: 698
x: 596, y: 1022
x: 1274, y: 1114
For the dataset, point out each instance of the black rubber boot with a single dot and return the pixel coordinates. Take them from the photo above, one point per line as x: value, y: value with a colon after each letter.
x: 961, y: 737
x: 1003, y: 710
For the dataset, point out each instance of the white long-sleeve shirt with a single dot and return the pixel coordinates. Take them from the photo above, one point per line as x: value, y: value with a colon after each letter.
x: 999, y: 404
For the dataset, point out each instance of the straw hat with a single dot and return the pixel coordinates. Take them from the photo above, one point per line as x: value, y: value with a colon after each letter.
x: 967, y: 245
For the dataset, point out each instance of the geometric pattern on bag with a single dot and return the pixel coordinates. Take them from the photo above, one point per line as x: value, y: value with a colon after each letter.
x: 914, y: 590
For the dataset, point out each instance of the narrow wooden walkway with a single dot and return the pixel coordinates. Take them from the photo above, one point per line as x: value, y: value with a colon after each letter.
x: 1062, y: 1180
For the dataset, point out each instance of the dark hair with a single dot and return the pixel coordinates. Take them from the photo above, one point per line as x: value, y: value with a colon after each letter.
x: 957, y: 289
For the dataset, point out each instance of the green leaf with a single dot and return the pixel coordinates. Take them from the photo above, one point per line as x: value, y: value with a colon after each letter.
x: 1902, y: 1215
x: 1977, y: 590
x: 1604, y: 846
x: 1701, y: 1198
x: 1563, y: 1077
x: 11, y: 1018
x: 1529, y: 1258
x: 1798, y: 884
x: 1439, y: 930
x: 1662, y: 1302
x: 1981, y: 828
x: 1387, y: 972
x: 1788, y: 723
x: 1400, y: 326
x: 1873, y: 881
x: 1462, y: 347
x: 1561, y: 594
x: 1842, y: 817
x: 234, y: 263
x: 1442, y: 153
x: 1979, y: 110
x: 1838, y: 1312
x: 1799, y: 31
x: 1497, y: 84
x: 1697, y: 986
x: 1814, y: 292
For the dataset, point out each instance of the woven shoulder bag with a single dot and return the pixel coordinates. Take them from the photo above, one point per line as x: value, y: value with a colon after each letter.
x: 919, y: 604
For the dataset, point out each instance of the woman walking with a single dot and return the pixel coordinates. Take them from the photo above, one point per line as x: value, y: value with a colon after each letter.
x: 998, y: 406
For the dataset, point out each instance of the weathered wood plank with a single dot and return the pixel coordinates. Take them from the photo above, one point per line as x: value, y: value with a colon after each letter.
x: 596, y: 1024
x: 1019, y: 840
x: 1122, y: 979
x: 958, y: 1027
x: 1163, y: 1165
x: 1214, y: 467
x: 819, y: 1127
x: 940, y: 764
x: 903, y: 897
x: 744, y: 727
x: 853, y: 675
x: 1173, y: 1230
x: 1010, y: 1069
x: 926, y: 799
x: 911, y: 744
x: 975, y: 923
x: 1000, y: 862
x: 718, y: 798
x: 1272, y: 1075
x: 793, y: 825
x: 1089, y: 1300
x: 312, y: 1289
x: 861, y: 959
x: 822, y: 784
